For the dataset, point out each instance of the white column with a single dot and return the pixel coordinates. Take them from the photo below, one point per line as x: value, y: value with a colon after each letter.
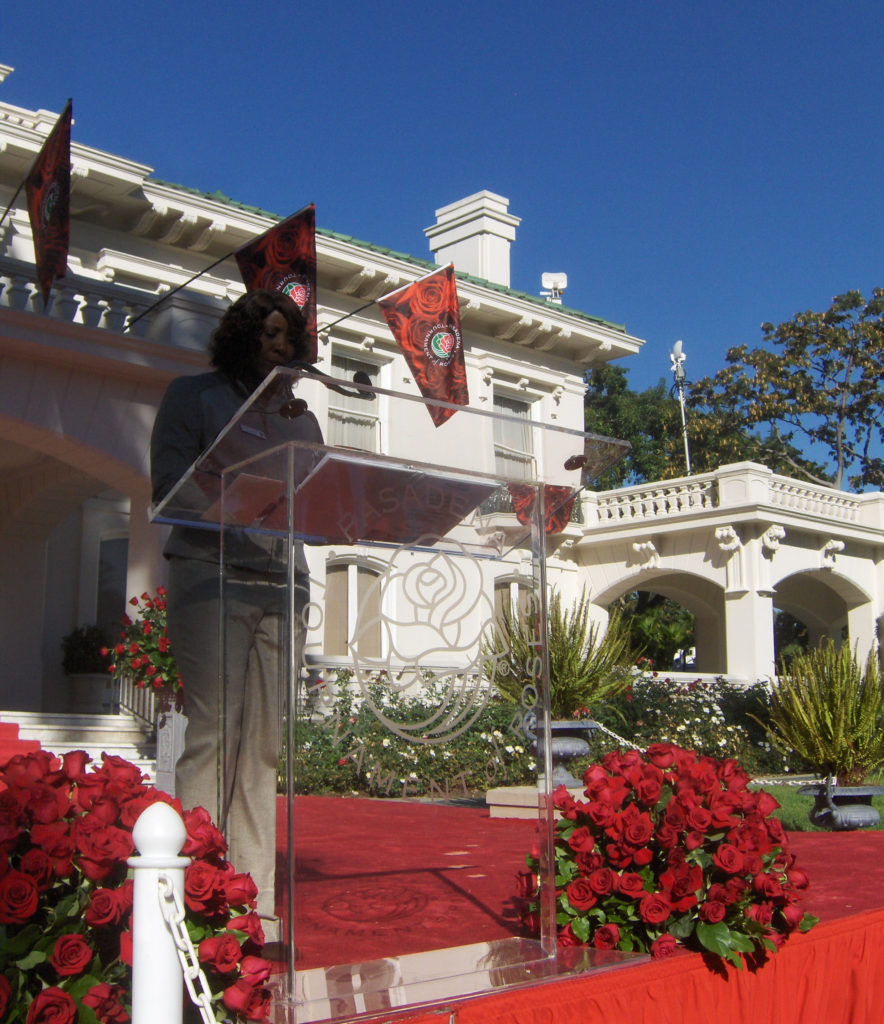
x: 749, y: 631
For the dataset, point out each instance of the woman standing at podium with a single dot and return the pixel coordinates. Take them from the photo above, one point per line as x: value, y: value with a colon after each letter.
x: 260, y: 331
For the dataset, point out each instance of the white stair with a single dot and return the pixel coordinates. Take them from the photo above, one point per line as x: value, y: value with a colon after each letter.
x: 119, y: 734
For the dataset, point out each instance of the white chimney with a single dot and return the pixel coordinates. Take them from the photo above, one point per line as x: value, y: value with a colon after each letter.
x: 475, y: 235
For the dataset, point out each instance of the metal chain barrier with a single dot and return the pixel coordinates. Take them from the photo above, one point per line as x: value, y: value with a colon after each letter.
x: 173, y: 914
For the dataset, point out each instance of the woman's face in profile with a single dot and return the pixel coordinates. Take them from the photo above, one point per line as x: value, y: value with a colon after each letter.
x: 276, y: 349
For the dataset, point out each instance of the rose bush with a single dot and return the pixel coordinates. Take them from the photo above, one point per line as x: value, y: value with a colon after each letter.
x: 670, y: 846
x: 66, y: 896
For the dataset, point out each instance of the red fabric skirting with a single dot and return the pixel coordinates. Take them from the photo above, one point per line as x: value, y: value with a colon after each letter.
x: 832, y: 975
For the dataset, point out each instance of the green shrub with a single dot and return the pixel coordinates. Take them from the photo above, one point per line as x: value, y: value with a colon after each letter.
x: 350, y: 749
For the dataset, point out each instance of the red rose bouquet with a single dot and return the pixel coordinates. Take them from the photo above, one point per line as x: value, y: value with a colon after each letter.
x: 143, y: 652
x: 670, y: 847
x: 66, y: 895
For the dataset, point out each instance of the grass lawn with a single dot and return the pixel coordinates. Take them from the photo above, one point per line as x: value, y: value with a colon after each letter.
x: 795, y: 808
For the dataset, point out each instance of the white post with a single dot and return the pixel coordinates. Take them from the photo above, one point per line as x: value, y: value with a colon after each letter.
x: 157, y: 980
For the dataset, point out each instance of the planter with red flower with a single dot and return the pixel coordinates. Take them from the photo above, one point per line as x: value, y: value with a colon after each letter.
x: 66, y: 896
x: 142, y: 660
x: 668, y: 847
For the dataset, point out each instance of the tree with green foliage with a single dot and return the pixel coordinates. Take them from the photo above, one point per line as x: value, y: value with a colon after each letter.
x: 813, y: 394
x: 658, y: 626
x: 646, y: 419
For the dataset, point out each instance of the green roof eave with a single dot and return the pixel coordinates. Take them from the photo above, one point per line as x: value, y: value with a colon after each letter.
x: 220, y: 197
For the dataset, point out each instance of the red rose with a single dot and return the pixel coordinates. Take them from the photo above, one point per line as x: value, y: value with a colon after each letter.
x: 73, y: 764
x: 251, y: 925
x: 203, y: 838
x: 566, y: 937
x: 18, y: 897
x: 5, y: 992
x: 760, y: 912
x: 699, y: 819
x: 102, y: 849
x: 792, y: 915
x: 221, y: 952
x: 121, y: 771
x: 46, y: 804
x: 252, y: 1003
x: 255, y: 970
x: 661, y: 754
x: 602, y: 881
x: 606, y: 937
x: 797, y: 878
x: 765, y: 804
x: 36, y: 863
x: 581, y: 840
x: 729, y: 859
x: 240, y: 890
x: 664, y: 946
x: 104, y: 908
x: 681, y: 885
x: 768, y: 886
x: 126, y: 948
x: 648, y: 791
x: 580, y: 894
x: 631, y: 885
x: 712, y: 911
x: 200, y: 880
x: 52, y: 1006
x: 654, y: 908
x: 71, y: 955
x: 601, y: 813
x: 107, y: 1003
x: 637, y: 827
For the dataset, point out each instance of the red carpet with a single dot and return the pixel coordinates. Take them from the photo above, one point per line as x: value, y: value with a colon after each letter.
x: 382, y: 878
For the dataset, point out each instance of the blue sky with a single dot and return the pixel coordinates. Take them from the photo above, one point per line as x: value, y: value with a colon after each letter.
x: 696, y: 168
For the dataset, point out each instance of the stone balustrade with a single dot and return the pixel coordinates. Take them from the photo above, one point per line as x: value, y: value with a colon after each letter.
x: 730, y: 487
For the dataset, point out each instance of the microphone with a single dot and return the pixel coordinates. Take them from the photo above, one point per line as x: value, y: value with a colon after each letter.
x: 360, y: 377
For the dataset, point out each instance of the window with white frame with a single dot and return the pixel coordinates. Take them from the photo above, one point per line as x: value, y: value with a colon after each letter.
x: 513, y: 444
x: 352, y: 421
x: 513, y: 593
x: 351, y: 596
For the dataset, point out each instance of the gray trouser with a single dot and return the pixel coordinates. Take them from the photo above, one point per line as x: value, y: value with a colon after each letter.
x: 245, y: 709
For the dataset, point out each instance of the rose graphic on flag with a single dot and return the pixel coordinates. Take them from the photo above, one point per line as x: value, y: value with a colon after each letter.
x: 48, y: 188
x: 283, y: 259
x: 425, y: 321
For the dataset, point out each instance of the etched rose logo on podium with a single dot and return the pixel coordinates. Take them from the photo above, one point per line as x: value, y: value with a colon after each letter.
x: 431, y: 613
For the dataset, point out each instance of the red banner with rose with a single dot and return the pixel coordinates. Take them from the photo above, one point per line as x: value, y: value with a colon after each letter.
x: 558, y: 503
x: 48, y: 188
x: 425, y: 320
x: 283, y: 259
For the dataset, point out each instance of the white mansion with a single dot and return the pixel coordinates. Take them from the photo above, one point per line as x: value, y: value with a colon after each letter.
x: 78, y: 396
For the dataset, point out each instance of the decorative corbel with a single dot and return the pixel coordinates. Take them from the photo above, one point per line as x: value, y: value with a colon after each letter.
x: 829, y: 553
x: 731, y: 546
x: 646, y: 553
x: 771, y: 538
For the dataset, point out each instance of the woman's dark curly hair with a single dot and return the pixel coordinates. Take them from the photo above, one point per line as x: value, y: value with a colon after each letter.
x: 236, y: 342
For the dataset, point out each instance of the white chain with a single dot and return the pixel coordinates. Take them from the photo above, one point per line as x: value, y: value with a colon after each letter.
x: 173, y: 915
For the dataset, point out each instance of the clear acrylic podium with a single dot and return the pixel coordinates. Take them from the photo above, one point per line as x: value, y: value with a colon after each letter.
x: 411, y: 551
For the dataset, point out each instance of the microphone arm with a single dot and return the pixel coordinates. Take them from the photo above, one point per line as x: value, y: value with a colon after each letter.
x: 360, y: 377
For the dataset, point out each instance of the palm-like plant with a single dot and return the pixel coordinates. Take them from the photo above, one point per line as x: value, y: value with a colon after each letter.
x: 829, y: 708
x: 585, y: 664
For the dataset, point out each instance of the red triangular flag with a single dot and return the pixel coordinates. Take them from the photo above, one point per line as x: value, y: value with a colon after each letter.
x: 48, y: 188
x: 283, y: 259
x: 425, y: 321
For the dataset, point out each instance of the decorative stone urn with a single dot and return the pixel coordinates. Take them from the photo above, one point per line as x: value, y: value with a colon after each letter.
x: 570, y: 739
x: 843, y: 808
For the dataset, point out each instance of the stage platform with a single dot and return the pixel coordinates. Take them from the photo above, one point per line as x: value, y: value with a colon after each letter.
x: 454, y: 873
